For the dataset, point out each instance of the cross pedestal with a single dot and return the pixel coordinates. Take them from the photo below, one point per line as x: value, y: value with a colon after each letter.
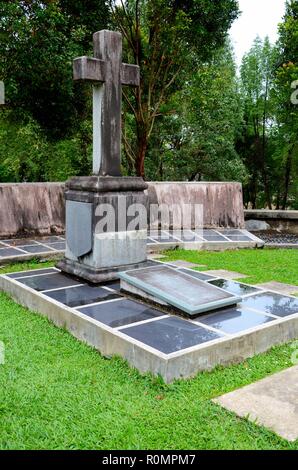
x: 102, y: 236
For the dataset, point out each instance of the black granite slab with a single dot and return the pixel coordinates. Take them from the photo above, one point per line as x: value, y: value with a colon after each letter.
x: 51, y: 281
x: 165, y: 239
x: 114, y: 285
x: 82, y: 295
x: 234, y: 320
x: 196, y: 274
x: 239, y: 238
x: 207, y: 232
x: 185, y: 236
x: 21, y: 242
x: 35, y: 272
x: 211, y: 235
x: 234, y: 287
x: 231, y: 231
x: 36, y: 249
x: 269, y: 302
x: 51, y: 239
x: 170, y: 334
x: 120, y: 313
x: 214, y: 238
x: 7, y: 252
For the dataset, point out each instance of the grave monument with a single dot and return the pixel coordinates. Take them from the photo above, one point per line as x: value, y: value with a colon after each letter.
x: 103, y: 240
x: 229, y: 321
x: 96, y: 251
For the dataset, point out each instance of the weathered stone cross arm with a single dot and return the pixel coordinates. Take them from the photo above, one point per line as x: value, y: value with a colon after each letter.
x: 93, y: 70
x: 107, y: 74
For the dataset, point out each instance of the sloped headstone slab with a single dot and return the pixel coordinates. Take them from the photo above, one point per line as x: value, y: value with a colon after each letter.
x: 186, y: 293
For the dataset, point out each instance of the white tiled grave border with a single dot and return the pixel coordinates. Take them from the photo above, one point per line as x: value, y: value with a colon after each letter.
x: 152, y: 245
x: 204, y: 244
x: 23, y: 255
x: 186, y: 363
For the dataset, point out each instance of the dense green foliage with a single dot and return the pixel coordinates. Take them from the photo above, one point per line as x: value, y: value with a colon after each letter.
x: 197, y: 140
x: 45, y: 130
x: 286, y: 137
x: 168, y: 39
x: 58, y: 393
x: 268, y: 140
x: 194, y: 116
x: 39, y: 40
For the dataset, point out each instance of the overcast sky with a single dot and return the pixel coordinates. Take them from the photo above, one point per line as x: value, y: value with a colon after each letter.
x: 259, y: 17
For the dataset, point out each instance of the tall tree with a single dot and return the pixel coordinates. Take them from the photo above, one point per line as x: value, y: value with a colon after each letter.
x: 286, y: 155
x: 167, y: 39
x: 197, y: 141
x: 256, y: 85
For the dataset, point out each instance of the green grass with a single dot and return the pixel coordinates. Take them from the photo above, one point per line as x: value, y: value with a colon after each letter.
x: 58, y: 393
x: 260, y: 265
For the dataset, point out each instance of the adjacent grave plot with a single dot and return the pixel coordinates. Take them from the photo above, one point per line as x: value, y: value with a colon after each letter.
x: 174, y: 287
x: 146, y: 337
x: 18, y: 249
x: 278, y: 239
x: 201, y: 239
x: 26, y: 248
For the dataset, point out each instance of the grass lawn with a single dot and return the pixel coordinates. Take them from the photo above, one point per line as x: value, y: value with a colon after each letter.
x: 57, y: 393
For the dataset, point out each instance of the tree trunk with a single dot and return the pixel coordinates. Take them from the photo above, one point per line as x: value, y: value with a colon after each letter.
x: 264, y: 167
x: 254, y: 190
x: 160, y: 169
x: 140, y: 160
x: 278, y: 200
x: 266, y: 187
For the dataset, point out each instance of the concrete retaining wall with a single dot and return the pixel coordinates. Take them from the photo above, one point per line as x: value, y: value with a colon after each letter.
x: 285, y: 221
x: 31, y: 209
x: 222, y: 202
x: 38, y: 208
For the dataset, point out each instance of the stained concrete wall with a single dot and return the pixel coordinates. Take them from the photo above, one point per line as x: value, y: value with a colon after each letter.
x: 222, y: 202
x: 31, y: 208
x: 38, y: 208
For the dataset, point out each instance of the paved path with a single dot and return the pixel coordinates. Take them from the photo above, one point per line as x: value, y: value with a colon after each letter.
x: 271, y: 402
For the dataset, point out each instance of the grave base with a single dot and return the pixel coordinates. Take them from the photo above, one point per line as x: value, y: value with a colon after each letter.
x: 101, y: 239
x: 146, y: 337
x: 96, y: 276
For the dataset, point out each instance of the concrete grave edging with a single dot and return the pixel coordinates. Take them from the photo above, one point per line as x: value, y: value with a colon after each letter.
x: 229, y: 349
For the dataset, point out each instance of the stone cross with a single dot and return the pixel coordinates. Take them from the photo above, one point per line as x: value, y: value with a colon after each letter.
x: 107, y: 73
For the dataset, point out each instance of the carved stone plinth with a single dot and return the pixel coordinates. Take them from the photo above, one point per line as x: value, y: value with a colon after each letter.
x: 106, y: 226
